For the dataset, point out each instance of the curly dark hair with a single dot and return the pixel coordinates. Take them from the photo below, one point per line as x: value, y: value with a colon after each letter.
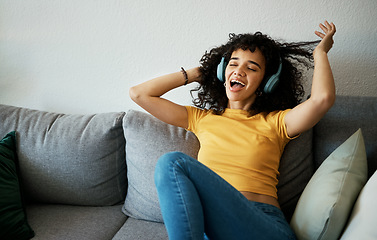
x: 293, y: 56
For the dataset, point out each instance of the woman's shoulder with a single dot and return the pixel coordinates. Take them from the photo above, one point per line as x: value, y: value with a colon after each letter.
x: 196, y: 109
x: 275, y: 116
x: 277, y: 112
x: 197, y: 113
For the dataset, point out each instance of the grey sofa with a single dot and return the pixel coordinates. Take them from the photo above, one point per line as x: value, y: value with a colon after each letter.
x: 91, y: 176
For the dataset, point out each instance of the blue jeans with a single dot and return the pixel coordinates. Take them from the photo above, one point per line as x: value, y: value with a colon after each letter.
x: 194, y: 200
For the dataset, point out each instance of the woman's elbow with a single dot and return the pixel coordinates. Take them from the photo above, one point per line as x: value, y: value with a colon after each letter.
x: 329, y: 100
x: 325, y: 101
x: 134, y: 93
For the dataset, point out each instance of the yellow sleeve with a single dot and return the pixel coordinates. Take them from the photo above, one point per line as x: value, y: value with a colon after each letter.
x: 194, y: 115
x: 278, y: 120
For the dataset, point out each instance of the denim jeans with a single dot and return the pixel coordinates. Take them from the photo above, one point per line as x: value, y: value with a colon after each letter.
x: 195, y: 203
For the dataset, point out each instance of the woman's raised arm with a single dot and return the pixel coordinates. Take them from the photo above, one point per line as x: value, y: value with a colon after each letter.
x: 148, y: 96
x: 307, y: 114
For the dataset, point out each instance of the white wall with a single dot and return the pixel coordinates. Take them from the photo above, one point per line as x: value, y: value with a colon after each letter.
x: 82, y: 56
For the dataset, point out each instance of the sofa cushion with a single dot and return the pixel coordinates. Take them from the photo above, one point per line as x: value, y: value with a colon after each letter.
x: 69, y: 159
x: 361, y: 223
x: 296, y: 169
x: 134, y: 229
x: 13, y: 222
x: 62, y: 222
x: 327, y: 200
x: 348, y: 114
x: 148, y: 139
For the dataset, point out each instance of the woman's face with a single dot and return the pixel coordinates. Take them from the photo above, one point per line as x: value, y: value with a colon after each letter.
x: 244, y: 73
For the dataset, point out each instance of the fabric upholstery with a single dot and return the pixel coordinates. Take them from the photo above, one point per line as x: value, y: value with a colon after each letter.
x: 361, y: 223
x: 147, y: 139
x: 348, y: 114
x: 135, y: 229
x: 13, y: 222
x: 327, y: 200
x: 62, y: 222
x: 296, y: 169
x: 69, y: 159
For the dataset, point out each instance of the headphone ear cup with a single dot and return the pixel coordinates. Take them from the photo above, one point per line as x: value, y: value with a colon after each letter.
x: 221, y: 70
x: 271, y: 84
x: 273, y: 81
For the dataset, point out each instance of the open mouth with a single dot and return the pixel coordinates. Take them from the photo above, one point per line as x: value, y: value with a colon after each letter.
x: 235, y: 84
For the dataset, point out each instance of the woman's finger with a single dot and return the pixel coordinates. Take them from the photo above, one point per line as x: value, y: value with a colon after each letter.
x: 319, y: 34
x: 328, y: 25
x: 323, y: 27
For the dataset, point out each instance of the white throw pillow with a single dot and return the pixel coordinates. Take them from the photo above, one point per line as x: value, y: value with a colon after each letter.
x: 327, y: 200
x: 362, y: 222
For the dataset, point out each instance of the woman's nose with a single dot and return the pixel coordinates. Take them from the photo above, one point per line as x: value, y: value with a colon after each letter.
x: 239, y: 72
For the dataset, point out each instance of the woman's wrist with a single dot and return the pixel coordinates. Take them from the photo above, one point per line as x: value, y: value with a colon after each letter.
x: 190, y: 75
x: 194, y: 75
x: 318, y: 54
x: 185, y: 76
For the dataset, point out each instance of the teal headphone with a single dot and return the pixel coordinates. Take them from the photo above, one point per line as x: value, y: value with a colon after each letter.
x: 270, y: 85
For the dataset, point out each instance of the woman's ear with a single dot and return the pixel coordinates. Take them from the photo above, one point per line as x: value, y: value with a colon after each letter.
x: 259, y: 92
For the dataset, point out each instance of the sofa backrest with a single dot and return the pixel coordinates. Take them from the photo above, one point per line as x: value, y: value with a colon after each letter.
x: 69, y: 159
x: 348, y: 114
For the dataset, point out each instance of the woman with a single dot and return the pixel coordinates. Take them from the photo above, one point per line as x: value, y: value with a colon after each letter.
x: 247, y: 110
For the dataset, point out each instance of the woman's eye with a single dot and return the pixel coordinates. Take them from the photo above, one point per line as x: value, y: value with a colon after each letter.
x: 252, y: 69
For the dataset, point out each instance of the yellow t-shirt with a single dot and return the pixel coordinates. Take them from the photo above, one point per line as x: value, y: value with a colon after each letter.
x: 243, y: 150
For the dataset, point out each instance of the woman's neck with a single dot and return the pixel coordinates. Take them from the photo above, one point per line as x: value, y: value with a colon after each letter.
x: 243, y: 105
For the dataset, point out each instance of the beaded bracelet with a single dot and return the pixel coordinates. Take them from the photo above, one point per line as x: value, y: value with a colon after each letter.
x: 185, y: 75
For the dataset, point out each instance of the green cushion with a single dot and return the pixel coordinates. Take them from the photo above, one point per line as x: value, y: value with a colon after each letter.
x: 327, y: 200
x: 13, y: 223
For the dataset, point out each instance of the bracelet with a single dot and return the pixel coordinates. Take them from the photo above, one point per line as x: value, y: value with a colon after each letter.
x: 185, y: 75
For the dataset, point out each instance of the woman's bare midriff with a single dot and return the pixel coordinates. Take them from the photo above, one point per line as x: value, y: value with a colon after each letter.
x: 261, y: 198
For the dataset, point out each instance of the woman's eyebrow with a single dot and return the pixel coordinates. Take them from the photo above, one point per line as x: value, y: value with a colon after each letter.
x: 252, y: 62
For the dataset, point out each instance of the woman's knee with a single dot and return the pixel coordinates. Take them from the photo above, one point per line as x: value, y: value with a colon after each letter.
x: 167, y: 159
x: 164, y: 166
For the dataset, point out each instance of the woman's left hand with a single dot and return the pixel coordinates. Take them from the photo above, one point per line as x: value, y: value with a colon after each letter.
x: 305, y: 115
x: 327, y: 37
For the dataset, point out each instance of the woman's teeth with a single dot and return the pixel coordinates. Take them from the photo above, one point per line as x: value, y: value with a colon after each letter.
x: 239, y: 84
